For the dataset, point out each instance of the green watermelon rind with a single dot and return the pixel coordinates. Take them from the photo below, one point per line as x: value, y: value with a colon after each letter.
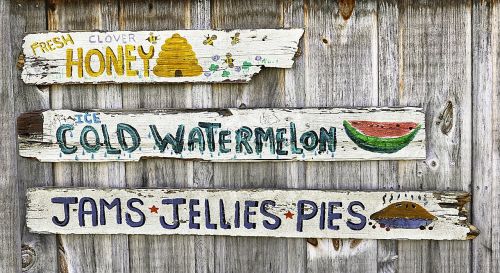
x: 379, y: 144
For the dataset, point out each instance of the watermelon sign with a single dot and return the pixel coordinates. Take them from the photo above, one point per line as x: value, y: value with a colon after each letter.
x: 381, y: 137
x: 224, y: 135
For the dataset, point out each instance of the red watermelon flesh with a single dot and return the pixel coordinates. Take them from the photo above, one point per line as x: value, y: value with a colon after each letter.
x: 383, y: 129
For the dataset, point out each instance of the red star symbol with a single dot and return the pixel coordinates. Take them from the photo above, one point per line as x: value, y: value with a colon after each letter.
x: 289, y: 215
x: 154, y: 209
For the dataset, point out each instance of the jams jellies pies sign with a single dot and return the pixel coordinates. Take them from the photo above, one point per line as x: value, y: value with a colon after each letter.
x: 271, y: 213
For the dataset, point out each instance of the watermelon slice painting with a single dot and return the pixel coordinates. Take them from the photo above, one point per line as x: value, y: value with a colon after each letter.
x: 381, y: 137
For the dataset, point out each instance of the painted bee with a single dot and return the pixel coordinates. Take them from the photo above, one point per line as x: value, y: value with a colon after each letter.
x: 235, y: 39
x: 229, y: 60
x: 152, y: 39
x: 210, y: 40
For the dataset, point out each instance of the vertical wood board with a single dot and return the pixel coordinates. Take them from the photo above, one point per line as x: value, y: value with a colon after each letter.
x: 39, y: 252
x: 10, y: 244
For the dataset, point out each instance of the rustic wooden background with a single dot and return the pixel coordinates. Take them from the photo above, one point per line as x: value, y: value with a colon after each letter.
x: 442, y: 55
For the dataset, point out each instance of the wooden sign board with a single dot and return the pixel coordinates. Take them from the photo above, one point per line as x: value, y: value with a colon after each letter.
x: 156, y: 56
x: 272, y: 213
x: 224, y: 134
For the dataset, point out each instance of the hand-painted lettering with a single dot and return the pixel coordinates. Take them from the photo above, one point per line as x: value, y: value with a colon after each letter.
x: 52, y: 44
x: 179, y: 212
x: 114, y: 61
x: 247, y: 140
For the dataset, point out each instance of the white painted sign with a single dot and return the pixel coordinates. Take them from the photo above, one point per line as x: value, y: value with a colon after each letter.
x: 224, y: 134
x: 156, y: 56
x: 272, y: 213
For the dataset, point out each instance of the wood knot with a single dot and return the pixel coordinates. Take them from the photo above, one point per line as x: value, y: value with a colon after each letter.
x: 355, y: 243
x: 52, y: 5
x: 337, y: 243
x: 346, y: 7
x: 28, y: 257
x: 445, y: 118
x: 313, y: 241
x: 433, y: 164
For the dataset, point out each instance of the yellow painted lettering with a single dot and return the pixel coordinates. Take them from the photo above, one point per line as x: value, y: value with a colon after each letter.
x: 70, y: 62
x: 34, y: 46
x: 57, y: 42
x: 128, y: 59
x: 115, y: 61
x: 50, y: 45
x: 43, y: 46
x: 145, y: 58
x: 68, y: 39
x: 88, y: 59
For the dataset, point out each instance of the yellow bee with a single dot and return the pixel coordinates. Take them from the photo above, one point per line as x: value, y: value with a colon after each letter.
x: 152, y: 39
x: 229, y: 60
x: 210, y: 40
x: 235, y: 39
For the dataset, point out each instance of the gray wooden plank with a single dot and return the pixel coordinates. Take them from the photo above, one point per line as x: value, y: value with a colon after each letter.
x: 388, y: 94
x: 341, y: 70
x: 267, y: 89
x: 201, y: 97
x: 485, y: 139
x: 10, y: 239
x: 88, y: 253
x: 294, y: 96
x: 434, y: 41
x: 155, y: 253
x: 294, y: 92
x: 39, y: 253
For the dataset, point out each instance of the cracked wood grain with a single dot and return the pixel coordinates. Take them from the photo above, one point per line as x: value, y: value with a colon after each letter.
x: 431, y: 66
x: 97, y: 253
x: 10, y: 244
x: 39, y: 253
x: 485, y: 134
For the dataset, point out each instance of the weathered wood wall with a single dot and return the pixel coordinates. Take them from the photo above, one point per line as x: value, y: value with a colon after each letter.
x: 441, y: 55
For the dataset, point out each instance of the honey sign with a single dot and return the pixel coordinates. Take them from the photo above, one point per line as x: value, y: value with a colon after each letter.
x: 156, y: 56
